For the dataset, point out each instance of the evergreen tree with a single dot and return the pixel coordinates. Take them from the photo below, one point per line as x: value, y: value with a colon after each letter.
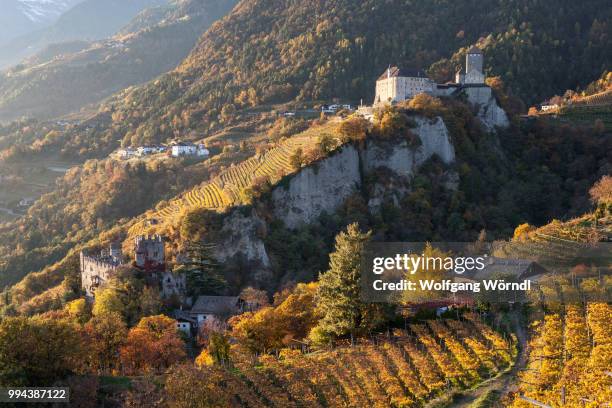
x: 338, y: 299
x: 200, y: 269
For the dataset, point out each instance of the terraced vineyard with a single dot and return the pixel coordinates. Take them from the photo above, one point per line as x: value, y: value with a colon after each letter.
x: 225, y: 190
x: 406, y: 370
x: 587, y: 114
x: 563, y: 244
x: 601, y: 98
x: 570, y: 358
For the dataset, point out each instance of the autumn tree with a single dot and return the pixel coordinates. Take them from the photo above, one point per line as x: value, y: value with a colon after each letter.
x: 601, y: 192
x: 254, y: 298
x: 274, y: 327
x: 105, y: 334
x: 108, y: 301
x: 426, y: 104
x: 127, y: 295
x: 433, y: 270
x: 521, y: 233
x: 354, y: 128
x: 38, y: 352
x: 152, y: 346
x: 79, y: 310
x: 217, y: 352
x: 327, y: 143
x: 297, y: 159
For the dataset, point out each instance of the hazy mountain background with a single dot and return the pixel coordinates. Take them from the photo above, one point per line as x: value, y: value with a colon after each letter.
x: 67, y: 76
x: 46, y: 22
x: 19, y: 17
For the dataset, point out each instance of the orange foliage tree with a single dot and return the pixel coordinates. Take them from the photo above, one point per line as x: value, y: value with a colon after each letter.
x: 152, y: 346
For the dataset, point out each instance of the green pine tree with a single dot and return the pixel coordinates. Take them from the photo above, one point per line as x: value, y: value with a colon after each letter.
x: 338, y: 298
x: 200, y: 269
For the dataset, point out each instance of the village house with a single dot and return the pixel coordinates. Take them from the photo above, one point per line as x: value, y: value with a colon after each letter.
x: 520, y: 269
x: 182, y: 149
x: 185, y: 323
x: 211, y: 309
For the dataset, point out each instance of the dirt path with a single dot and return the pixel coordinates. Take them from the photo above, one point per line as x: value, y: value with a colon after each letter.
x: 502, y: 383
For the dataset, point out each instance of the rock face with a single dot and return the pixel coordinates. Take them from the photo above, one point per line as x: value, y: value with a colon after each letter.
x: 241, y: 235
x: 319, y: 188
x: 404, y: 160
x: 489, y: 112
x: 324, y: 187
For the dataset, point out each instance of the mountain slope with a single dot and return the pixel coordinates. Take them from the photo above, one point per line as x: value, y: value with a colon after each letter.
x: 88, y: 20
x: 303, y: 51
x: 47, y: 87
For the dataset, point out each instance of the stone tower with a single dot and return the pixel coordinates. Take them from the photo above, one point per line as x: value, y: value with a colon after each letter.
x: 115, y: 252
x: 473, y: 67
x: 474, y: 59
x: 149, y: 252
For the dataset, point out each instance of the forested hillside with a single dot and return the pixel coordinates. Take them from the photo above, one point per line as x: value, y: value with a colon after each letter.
x: 66, y: 80
x: 503, y: 180
x: 281, y: 51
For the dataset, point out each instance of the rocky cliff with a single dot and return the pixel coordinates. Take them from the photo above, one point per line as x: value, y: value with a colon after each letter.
x: 321, y: 187
x: 489, y: 112
x: 324, y: 186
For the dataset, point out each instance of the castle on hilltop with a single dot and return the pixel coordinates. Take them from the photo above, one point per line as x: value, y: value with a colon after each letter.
x: 149, y: 257
x: 397, y: 85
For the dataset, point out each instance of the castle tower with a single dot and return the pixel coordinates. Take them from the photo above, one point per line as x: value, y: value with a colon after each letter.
x: 474, y: 62
x: 149, y: 251
x: 115, y: 252
x: 474, y: 59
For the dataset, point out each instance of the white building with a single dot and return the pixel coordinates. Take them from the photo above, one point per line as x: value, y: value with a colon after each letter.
x: 396, y: 85
x: 146, y: 150
x: 126, y: 153
x: 184, y: 323
x: 549, y: 107
x: 189, y: 149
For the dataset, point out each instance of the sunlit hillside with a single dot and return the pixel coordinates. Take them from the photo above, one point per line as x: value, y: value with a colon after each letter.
x: 569, y: 356
x: 404, y: 370
x: 228, y: 188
